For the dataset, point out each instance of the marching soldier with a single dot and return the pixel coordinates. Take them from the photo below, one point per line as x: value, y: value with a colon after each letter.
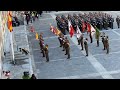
x: 103, y: 40
x: 81, y: 41
x: 97, y: 35
x: 86, y: 46
x: 118, y: 21
x: 106, y: 44
x: 46, y: 53
x: 111, y: 20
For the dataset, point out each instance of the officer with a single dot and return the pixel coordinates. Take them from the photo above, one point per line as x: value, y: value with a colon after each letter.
x: 41, y: 42
x: 67, y: 47
x: 46, y: 53
x: 81, y: 41
x: 103, y: 40
x: 118, y: 21
x: 106, y: 44
x: 86, y: 46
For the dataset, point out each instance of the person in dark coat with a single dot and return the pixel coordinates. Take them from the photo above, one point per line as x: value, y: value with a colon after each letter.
x: 46, y: 53
x: 33, y: 76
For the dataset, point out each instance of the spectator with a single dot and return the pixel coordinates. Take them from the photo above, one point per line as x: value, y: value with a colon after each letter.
x: 33, y: 76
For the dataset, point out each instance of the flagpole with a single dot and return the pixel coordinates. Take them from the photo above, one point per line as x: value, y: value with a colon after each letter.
x: 12, y: 49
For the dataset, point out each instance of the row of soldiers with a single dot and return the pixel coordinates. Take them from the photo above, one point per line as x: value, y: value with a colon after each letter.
x: 100, y: 20
x: 64, y: 42
x: 44, y: 48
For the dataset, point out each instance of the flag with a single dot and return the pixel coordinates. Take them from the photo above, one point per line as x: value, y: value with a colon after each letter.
x: 71, y: 30
x: 58, y: 32
x: 88, y: 27
x: 83, y: 26
x: 92, y: 30
x: 53, y: 29
x: 97, y: 34
x: 10, y: 22
x: 36, y: 36
x: 78, y: 32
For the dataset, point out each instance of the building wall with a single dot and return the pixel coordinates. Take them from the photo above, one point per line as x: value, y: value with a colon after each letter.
x: 3, y: 36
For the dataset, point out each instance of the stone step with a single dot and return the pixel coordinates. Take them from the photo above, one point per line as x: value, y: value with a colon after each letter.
x: 17, y: 58
x: 18, y: 55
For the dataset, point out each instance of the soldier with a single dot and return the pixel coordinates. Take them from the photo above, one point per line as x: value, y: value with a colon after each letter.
x: 118, y: 21
x: 111, y: 20
x: 67, y: 47
x: 106, y: 44
x: 97, y: 38
x: 81, y: 41
x: 91, y: 39
x: 60, y: 39
x: 86, y: 46
x: 41, y: 42
x: 103, y: 40
x: 46, y: 53
x: 63, y: 43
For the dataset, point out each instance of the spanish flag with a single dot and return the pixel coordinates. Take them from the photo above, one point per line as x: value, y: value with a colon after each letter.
x: 58, y: 32
x: 36, y: 36
x: 10, y: 22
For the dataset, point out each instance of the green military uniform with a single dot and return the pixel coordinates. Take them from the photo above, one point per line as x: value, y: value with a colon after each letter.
x: 86, y: 47
x: 46, y: 53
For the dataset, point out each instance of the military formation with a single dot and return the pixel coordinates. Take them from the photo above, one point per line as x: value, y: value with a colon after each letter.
x: 99, y: 19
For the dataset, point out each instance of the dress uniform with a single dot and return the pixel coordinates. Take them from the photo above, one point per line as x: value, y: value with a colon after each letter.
x: 97, y: 38
x: 118, y: 21
x: 103, y: 40
x: 111, y: 20
x: 46, y: 53
x: 86, y: 46
x: 105, y: 23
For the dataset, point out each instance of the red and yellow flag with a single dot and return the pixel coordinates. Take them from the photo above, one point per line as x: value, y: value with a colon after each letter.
x: 37, y: 36
x: 57, y: 31
x: 10, y: 21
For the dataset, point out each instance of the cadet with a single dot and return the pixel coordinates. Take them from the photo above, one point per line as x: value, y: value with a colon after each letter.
x: 86, y: 46
x: 118, y: 21
x: 41, y: 42
x: 81, y: 41
x: 46, y: 53
x: 103, y: 38
x: 107, y: 44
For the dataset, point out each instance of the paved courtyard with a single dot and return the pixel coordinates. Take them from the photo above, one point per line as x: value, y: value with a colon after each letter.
x: 98, y: 65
